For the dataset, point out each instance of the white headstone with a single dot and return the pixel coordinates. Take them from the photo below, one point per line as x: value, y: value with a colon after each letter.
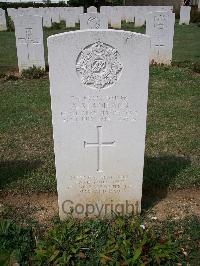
x: 115, y: 18
x: 70, y: 19
x: 29, y: 42
x: 122, y: 12
x: 37, y: 12
x: 92, y: 9
x: 106, y: 10
x: 185, y: 15
x: 40, y: 11
x: 21, y: 11
x: 130, y: 13
x: 3, y: 25
x: 160, y: 27
x: 93, y: 21
x: 99, y: 87
x: 63, y: 12
x: 55, y: 14
x: 47, y: 17
x: 140, y: 16
x: 12, y: 12
x: 78, y: 11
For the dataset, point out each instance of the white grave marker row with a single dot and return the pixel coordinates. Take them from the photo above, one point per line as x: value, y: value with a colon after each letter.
x: 50, y: 14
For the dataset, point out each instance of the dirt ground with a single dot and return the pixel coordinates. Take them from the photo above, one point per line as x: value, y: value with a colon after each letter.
x: 43, y: 207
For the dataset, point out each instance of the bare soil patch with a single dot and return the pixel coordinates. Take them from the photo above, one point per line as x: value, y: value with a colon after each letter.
x: 43, y: 207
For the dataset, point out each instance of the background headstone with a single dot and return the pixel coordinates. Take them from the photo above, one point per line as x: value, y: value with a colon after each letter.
x: 99, y: 87
x: 3, y: 25
x: 29, y: 42
x: 140, y: 16
x: 70, y: 18
x: 92, y: 9
x: 185, y: 15
x: 106, y: 10
x: 130, y: 13
x: 46, y: 17
x: 160, y: 27
x: 63, y: 13
x: 78, y: 12
x: 93, y: 21
x: 55, y: 14
x: 115, y: 18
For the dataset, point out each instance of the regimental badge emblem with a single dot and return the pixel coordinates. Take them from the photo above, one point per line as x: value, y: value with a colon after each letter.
x: 98, y: 66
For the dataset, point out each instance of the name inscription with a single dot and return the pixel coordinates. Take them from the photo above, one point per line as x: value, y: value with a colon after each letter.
x: 99, y: 108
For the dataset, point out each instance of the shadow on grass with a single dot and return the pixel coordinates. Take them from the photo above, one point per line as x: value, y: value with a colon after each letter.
x: 159, y: 174
x: 11, y: 171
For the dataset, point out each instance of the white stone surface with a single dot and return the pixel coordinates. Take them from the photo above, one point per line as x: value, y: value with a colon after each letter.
x: 162, y: 8
x: 122, y: 11
x: 40, y: 11
x: 160, y: 27
x: 63, y: 13
x: 70, y: 19
x: 55, y: 14
x: 115, y: 18
x: 93, y: 21
x: 185, y: 15
x: 29, y: 41
x: 140, y: 16
x: 47, y: 17
x: 78, y: 11
x: 12, y: 12
x: 92, y: 9
x: 130, y: 13
x: 99, y: 87
x: 3, y: 25
x: 106, y: 10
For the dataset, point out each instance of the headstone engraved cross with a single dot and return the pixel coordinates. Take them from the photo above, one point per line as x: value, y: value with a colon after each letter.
x: 99, y: 145
x: 160, y: 27
x: 27, y: 39
x: 99, y: 87
x: 160, y: 24
x: 29, y: 42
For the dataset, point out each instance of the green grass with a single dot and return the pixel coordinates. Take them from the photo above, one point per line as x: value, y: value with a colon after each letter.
x: 120, y: 241
x: 8, y: 51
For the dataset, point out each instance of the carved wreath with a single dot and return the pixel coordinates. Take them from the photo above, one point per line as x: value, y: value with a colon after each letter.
x: 98, y: 65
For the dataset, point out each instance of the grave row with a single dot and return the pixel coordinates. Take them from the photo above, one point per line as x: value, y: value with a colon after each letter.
x: 30, y: 47
x: 71, y: 15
